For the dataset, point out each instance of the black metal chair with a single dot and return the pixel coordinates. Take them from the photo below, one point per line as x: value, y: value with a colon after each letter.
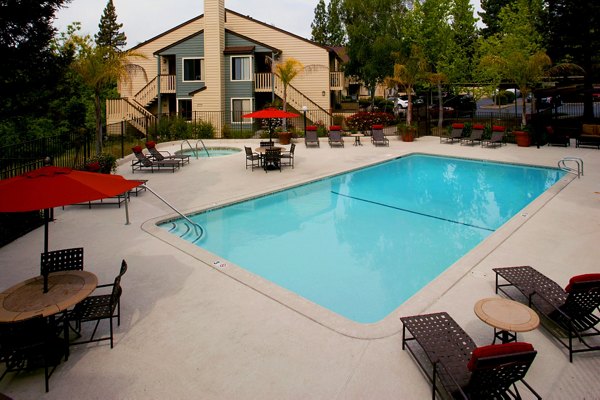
x: 62, y: 260
x: 99, y: 307
x: 30, y: 344
x: 287, y: 157
x: 272, y: 159
x: 252, y: 159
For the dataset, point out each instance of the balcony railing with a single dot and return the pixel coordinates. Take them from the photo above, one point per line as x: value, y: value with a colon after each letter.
x: 336, y: 80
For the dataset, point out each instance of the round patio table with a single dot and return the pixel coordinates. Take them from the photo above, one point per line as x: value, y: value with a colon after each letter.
x: 506, y: 316
x: 357, y: 137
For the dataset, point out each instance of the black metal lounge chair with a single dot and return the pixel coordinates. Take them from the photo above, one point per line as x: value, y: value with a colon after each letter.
x: 335, y: 136
x: 142, y: 162
x: 457, y: 368
x: 252, y: 159
x: 455, y: 134
x: 159, y: 156
x: 572, y: 310
x: 377, y: 136
x: 476, y: 135
x: 272, y: 159
x: 287, y: 157
x: 312, y: 137
x: 30, y: 344
x: 497, y: 137
x: 99, y: 307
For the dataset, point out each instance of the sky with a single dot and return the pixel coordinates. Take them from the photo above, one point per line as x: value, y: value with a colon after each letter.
x: 145, y: 19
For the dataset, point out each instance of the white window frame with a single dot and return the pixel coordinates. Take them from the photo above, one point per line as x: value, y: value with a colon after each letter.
x: 250, y: 68
x: 243, y: 120
x: 183, y: 60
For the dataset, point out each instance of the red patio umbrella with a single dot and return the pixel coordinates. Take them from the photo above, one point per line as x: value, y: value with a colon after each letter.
x: 270, y: 113
x: 50, y: 187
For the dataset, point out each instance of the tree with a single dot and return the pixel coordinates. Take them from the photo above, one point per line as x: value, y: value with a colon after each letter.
x: 109, y: 34
x: 490, y: 15
x: 319, y: 25
x: 287, y: 71
x: 515, y: 54
x: 579, y: 43
x: 29, y: 69
x: 373, y: 30
x: 336, y: 33
x: 98, y: 67
x: 409, y: 69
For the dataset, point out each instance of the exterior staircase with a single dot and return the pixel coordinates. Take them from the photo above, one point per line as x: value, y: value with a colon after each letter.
x: 295, y: 98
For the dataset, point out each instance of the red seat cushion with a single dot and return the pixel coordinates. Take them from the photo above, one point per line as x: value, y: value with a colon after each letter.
x: 478, y: 126
x: 137, y: 149
x: 458, y: 126
x: 377, y: 127
x: 335, y: 128
x: 498, y: 128
x: 497, y: 350
x: 150, y: 144
x: 581, y: 278
x: 311, y: 128
x: 93, y: 166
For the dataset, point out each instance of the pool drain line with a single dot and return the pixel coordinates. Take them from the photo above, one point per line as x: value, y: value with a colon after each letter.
x: 414, y: 212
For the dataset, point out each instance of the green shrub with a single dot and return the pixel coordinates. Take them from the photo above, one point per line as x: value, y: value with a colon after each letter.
x: 201, y: 130
x: 105, y: 163
x: 362, y: 121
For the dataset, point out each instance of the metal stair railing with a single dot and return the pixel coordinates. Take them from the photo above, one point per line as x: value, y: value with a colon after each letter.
x: 577, y: 169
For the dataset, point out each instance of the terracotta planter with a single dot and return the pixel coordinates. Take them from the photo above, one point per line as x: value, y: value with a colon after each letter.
x: 408, y: 134
x: 284, y: 137
x: 522, y: 138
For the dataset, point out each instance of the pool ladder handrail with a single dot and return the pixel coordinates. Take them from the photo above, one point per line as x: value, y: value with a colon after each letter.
x: 203, y: 146
x: 197, y: 228
x: 562, y: 164
x: 190, y: 146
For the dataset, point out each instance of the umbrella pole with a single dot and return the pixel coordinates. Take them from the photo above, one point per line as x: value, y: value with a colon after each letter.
x: 126, y: 208
x: 46, y: 219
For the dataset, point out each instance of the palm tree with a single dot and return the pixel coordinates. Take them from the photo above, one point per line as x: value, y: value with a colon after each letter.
x: 287, y: 71
x: 99, y: 67
x: 408, y: 71
x: 525, y: 71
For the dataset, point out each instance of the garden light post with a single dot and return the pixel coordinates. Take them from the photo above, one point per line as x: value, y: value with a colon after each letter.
x: 304, y: 109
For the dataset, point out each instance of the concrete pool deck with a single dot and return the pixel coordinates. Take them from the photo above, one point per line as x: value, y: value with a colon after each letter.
x: 190, y: 331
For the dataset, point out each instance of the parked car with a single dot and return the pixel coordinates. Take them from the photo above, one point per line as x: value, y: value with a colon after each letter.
x: 458, y: 106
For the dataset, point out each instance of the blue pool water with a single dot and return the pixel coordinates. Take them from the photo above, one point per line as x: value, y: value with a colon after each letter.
x: 362, y: 243
x: 212, y: 152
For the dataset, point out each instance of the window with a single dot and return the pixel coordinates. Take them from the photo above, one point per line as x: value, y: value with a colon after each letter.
x: 240, y: 107
x: 193, y: 69
x: 184, y: 109
x: 240, y: 69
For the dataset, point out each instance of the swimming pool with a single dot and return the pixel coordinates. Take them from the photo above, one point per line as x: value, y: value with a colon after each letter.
x: 212, y: 152
x: 361, y: 243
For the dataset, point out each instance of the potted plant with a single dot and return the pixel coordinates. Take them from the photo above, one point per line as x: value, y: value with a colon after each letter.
x: 522, y: 137
x: 285, y: 136
x: 407, y: 132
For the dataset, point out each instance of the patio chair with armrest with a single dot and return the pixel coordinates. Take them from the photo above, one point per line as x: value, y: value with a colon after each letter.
x: 312, y: 137
x: 29, y: 344
x: 572, y: 310
x: 475, y: 136
x: 456, y: 133
x: 144, y: 163
x: 159, y: 155
x: 100, y: 307
x: 287, y: 157
x: 497, y: 137
x: 62, y: 260
x: 272, y: 159
x: 335, y: 136
x: 457, y: 368
x: 377, y: 136
x: 269, y: 143
x: 253, y: 159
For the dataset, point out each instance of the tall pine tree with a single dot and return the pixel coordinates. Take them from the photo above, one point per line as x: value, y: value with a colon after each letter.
x: 319, y: 24
x: 336, y: 34
x: 109, y: 34
x: 490, y: 15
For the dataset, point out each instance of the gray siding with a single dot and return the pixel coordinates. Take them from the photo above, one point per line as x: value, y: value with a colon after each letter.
x: 191, y: 48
